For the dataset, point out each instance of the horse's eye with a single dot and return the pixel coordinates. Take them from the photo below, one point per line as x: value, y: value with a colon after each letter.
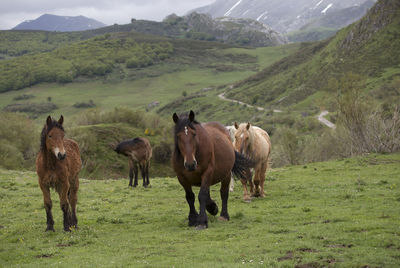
x: 49, y: 136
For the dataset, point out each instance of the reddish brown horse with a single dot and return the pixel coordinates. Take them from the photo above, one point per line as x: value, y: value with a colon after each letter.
x: 204, y: 156
x: 58, y: 164
x: 138, y: 151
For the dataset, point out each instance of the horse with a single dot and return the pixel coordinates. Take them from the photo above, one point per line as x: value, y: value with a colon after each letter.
x: 58, y: 164
x: 139, y: 152
x: 232, y: 131
x: 204, y: 156
x: 255, y: 144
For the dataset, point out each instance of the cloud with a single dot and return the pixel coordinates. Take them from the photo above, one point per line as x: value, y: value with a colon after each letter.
x: 108, y: 12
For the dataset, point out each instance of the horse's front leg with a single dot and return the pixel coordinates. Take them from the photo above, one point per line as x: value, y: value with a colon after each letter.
x: 147, y: 172
x: 47, y: 205
x: 204, y: 196
x: 246, y: 196
x: 192, y: 210
x: 73, y: 199
x: 190, y: 200
x: 64, y: 204
x: 131, y: 164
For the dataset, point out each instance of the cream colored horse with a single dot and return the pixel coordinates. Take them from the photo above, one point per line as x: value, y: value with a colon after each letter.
x: 232, y: 131
x: 254, y: 143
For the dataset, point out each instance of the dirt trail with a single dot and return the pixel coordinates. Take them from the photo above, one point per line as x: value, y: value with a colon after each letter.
x: 321, y: 118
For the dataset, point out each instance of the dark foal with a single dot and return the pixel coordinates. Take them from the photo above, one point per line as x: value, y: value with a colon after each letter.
x: 139, y: 152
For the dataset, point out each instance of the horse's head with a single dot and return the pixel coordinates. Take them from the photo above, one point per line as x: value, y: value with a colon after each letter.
x: 186, y: 140
x: 53, y: 137
x: 242, y: 137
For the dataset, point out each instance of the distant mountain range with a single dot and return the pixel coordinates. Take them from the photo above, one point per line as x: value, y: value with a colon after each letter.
x: 48, y: 22
x: 290, y: 15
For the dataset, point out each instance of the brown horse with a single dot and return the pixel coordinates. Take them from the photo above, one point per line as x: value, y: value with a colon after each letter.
x: 204, y: 156
x: 58, y: 164
x: 255, y: 144
x: 138, y: 151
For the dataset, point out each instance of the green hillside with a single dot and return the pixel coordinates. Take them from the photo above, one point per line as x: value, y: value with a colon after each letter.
x: 370, y: 48
x: 340, y: 213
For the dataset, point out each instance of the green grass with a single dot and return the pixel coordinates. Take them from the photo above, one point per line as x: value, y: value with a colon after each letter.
x: 342, y: 213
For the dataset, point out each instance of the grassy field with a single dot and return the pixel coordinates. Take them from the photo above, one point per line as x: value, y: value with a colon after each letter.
x: 343, y: 213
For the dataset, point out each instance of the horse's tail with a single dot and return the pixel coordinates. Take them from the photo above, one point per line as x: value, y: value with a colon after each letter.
x: 241, y: 165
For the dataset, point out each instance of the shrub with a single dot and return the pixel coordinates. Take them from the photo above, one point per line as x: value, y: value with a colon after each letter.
x: 23, y: 97
x: 162, y: 153
x: 89, y: 104
x: 19, y: 141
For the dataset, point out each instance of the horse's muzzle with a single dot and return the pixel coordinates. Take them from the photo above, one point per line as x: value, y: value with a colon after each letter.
x: 61, y: 156
x: 192, y: 166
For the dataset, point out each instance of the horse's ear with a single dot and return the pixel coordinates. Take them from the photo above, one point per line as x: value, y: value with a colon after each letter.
x: 248, y: 125
x: 61, y: 120
x: 236, y: 125
x: 175, y: 117
x: 48, y: 120
x: 191, y: 116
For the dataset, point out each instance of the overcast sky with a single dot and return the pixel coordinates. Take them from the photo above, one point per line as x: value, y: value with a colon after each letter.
x: 13, y: 12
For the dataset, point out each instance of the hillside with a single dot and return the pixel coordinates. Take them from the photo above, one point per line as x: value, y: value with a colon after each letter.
x: 338, y: 213
x: 282, y: 16
x: 370, y: 48
x: 49, y: 22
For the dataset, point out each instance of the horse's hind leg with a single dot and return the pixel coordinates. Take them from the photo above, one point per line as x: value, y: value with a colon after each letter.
x: 262, y: 179
x: 48, y: 205
x: 143, y: 172
x: 73, y: 199
x: 224, y: 191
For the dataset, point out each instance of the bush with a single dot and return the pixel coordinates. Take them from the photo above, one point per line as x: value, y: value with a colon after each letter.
x: 162, y: 153
x: 89, y: 104
x: 19, y: 141
x: 23, y: 97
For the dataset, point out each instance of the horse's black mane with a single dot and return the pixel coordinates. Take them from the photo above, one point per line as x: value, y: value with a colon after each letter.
x: 46, y: 129
x: 180, y: 126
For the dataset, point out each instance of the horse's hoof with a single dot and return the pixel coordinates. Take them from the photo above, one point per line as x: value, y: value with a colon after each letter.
x: 247, y: 200
x: 201, y: 227
x: 50, y: 229
x: 221, y: 218
x: 212, y: 209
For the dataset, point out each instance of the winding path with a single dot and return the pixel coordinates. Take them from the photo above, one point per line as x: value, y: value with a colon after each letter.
x: 321, y: 118
x: 325, y: 121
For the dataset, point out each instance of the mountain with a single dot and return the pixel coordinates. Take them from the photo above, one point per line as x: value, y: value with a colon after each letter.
x: 48, y: 22
x: 282, y: 16
x: 369, y: 47
x: 203, y: 27
x: 326, y: 26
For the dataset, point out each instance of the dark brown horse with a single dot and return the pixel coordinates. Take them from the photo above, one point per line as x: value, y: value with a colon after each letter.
x: 204, y: 156
x: 58, y: 164
x: 138, y: 151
